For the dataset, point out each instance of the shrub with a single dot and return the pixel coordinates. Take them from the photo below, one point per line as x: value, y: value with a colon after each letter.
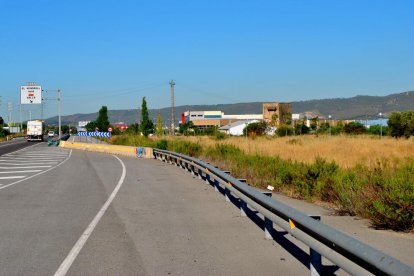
x: 161, y: 144
x: 393, y: 204
x: 354, y: 128
x: 284, y: 130
x: 188, y: 148
x: 258, y: 129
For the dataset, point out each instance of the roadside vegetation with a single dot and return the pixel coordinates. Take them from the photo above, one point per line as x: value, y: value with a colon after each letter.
x: 355, y: 172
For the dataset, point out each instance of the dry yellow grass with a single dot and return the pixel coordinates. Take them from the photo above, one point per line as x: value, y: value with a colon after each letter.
x: 346, y: 151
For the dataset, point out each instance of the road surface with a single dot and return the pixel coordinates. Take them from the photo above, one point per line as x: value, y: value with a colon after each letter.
x: 81, y: 213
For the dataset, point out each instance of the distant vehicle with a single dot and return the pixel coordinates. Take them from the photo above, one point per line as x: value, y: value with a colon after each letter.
x: 34, y: 131
x: 51, y: 134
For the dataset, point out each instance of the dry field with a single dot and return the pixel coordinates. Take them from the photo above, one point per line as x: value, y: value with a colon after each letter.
x: 346, y: 151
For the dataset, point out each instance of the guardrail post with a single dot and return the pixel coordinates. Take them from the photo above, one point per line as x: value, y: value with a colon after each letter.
x: 242, y: 203
x: 207, y: 178
x: 216, y: 185
x: 315, y: 259
x: 227, y: 190
x: 199, y: 174
x: 268, y: 224
x: 227, y: 193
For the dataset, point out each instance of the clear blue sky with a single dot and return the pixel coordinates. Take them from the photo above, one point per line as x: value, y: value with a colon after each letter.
x: 115, y: 52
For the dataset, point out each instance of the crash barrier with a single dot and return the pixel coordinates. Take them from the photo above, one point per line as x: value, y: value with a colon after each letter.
x: 94, y: 134
x: 111, y: 149
x: 350, y: 254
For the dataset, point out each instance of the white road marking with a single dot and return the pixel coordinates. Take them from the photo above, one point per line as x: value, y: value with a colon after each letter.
x: 42, y: 172
x: 25, y: 167
x: 28, y: 159
x: 29, y: 162
x: 26, y: 171
x: 13, y: 177
x: 70, y: 258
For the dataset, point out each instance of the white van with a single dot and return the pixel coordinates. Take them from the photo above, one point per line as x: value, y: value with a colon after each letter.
x: 51, y: 134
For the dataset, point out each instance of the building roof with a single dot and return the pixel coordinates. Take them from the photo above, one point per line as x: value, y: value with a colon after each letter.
x: 229, y: 126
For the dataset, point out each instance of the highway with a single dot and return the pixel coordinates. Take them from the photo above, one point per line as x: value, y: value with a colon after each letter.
x: 65, y: 212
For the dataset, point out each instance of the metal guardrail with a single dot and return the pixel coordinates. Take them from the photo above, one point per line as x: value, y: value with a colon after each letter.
x: 350, y: 254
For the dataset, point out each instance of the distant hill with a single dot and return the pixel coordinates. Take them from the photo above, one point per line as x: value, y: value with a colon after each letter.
x: 359, y: 107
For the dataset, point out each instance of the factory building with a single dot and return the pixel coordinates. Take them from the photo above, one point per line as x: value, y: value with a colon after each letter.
x: 277, y: 113
x: 207, y: 119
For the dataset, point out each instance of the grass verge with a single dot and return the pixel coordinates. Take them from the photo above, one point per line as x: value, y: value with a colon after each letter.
x: 382, y: 192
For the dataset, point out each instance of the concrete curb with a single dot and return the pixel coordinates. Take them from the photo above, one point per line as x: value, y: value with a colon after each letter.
x: 141, y: 152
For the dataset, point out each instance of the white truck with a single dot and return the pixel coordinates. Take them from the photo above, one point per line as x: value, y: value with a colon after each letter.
x: 34, y: 131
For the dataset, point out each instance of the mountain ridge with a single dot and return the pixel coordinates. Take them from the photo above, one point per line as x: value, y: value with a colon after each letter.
x: 357, y: 107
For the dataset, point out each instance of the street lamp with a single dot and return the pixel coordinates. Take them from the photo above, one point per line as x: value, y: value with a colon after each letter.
x: 380, y: 115
x: 330, y: 130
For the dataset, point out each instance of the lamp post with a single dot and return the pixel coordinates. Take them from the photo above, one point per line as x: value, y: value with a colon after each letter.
x: 380, y: 115
x: 330, y: 130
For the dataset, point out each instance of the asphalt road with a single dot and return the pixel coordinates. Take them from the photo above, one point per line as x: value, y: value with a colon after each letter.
x: 161, y: 222
x: 96, y: 214
x: 13, y: 145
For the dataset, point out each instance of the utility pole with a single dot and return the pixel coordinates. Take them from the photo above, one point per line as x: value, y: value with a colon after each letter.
x: 10, y: 109
x: 60, y: 114
x: 59, y: 100
x: 172, y: 83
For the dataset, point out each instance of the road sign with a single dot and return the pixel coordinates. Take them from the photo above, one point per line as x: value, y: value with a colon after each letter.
x: 110, y: 129
x: 30, y: 94
x: 94, y: 134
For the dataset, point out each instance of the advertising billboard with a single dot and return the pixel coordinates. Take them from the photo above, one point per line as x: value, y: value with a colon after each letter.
x: 30, y: 94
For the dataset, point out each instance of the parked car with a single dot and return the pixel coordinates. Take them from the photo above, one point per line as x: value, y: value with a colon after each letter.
x: 51, y: 134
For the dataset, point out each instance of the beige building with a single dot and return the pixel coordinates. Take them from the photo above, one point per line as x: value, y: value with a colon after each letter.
x: 277, y: 113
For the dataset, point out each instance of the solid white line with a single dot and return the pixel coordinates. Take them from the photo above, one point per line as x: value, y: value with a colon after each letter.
x: 26, y: 171
x: 25, y: 167
x: 13, y: 177
x: 14, y: 183
x: 70, y: 258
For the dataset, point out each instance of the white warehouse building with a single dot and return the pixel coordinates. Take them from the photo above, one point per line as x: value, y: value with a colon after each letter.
x: 236, y: 128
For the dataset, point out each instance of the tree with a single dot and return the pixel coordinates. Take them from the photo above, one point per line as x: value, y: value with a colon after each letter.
x: 401, y: 124
x: 185, y: 127
x: 102, y: 122
x: 146, y: 124
x: 258, y: 128
x: 354, y: 128
x: 301, y: 129
x: 133, y: 129
x: 91, y: 126
x: 160, y: 131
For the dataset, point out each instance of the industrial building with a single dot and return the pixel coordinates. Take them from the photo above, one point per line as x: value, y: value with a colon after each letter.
x: 207, y: 119
x: 277, y: 113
